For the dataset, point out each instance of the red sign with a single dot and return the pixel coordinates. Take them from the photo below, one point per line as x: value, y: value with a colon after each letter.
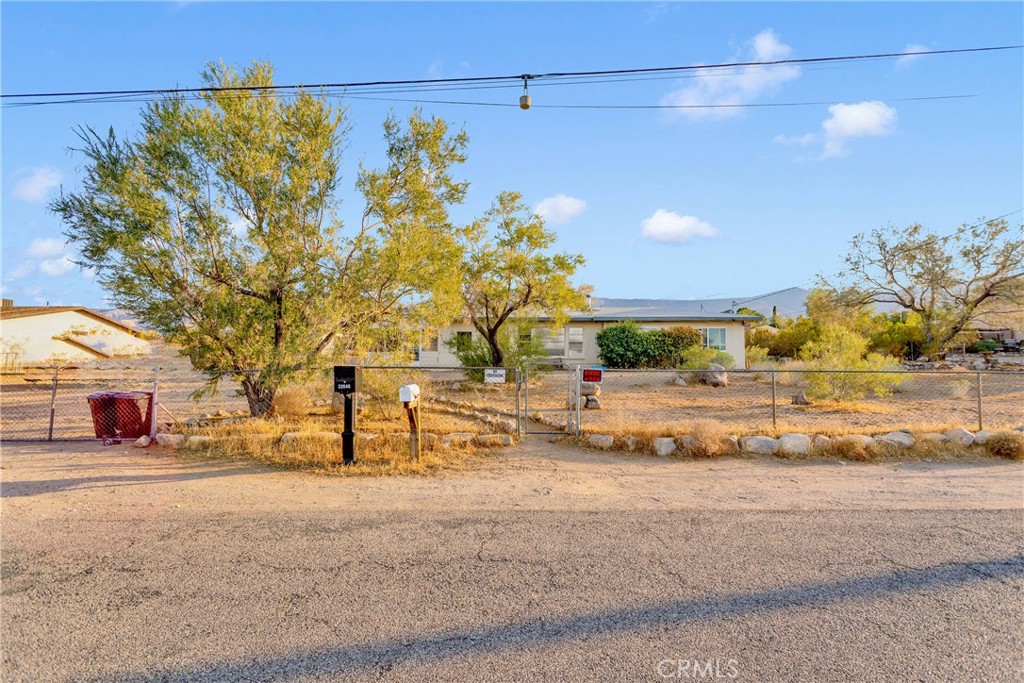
x: 593, y: 375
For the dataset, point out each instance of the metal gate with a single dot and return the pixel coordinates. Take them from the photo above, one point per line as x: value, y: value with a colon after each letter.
x: 551, y: 402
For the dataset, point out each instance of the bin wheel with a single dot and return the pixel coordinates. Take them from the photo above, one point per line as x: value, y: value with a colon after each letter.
x: 108, y: 442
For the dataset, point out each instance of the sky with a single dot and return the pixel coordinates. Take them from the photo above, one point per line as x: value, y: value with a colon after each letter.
x: 663, y: 203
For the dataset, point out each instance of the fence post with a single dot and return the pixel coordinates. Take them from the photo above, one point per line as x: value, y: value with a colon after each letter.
x: 980, y: 421
x: 152, y: 404
x: 774, y: 426
x: 53, y: 403
x: 519, y: 404
x: 579, y: 401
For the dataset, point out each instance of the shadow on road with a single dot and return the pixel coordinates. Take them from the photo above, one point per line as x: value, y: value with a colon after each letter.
x: 34, y: 487
x: 434, y: 648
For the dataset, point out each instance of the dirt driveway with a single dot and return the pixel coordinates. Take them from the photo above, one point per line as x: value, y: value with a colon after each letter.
x: 543, y: 563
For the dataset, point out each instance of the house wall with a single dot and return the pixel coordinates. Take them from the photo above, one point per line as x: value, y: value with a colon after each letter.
x: 33, y: 337
x: 734, y: 341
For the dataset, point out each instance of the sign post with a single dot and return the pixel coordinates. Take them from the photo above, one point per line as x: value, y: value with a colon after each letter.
x: 593, y: 375
x: 348, y: 380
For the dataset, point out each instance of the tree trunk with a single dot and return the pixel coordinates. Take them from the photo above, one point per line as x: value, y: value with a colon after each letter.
x: 260, y: 396
x: 497, y: 357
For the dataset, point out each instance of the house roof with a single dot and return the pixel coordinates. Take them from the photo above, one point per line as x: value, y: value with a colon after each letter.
x: 29, y: 311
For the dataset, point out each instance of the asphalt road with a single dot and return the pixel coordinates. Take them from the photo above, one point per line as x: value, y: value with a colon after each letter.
x: 113, y: 575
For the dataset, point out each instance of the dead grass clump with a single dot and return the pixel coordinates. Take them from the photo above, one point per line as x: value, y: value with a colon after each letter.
x: 292, y: 402
x: 848, y: 449
x: 1009, y: 445
x: 707, y: 439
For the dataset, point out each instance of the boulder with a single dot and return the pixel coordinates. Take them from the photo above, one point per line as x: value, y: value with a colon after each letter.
x: 715, y: 376
x: 664, y: 446
x: 493, y: 440
x: 983, y: 436
x: 338, y: 404
x: 795, y: 444
x: 592, y: 403
x: 602, y: 441
x: 679, y: 382
x: 901, y: 439
x: 142, y: 442
x: 960, y: 436
x: 759, y: 445
x: 457, y: 439
x: 590, y: 389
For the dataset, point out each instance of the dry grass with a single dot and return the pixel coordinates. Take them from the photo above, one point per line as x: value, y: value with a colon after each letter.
x: 707, y: 439
x: 1009, y: 445
x: 292, y: 402
x: 382, y: 446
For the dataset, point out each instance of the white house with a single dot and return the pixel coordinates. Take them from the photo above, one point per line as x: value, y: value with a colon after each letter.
x: 576, y: 341
x: 43, y: 334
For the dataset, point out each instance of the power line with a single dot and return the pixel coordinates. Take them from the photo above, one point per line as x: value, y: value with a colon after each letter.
x: 525, y: 77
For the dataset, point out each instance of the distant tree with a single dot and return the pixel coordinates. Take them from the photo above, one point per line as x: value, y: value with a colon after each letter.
x: 840, y: 348
x: 951, y: 280
x: 217, y: 226
x: 508, y: 273
x: 744, y: 310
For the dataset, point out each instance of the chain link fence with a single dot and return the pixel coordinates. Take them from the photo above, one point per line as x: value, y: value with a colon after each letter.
x: 809, y: 401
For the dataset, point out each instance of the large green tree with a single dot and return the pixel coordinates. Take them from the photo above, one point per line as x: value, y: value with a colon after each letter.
x: 951, y: 281
x: 508, y: 273
x: 218, y: 226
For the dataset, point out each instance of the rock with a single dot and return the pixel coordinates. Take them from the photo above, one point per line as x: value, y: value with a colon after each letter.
x: 795, y: 444
x: 715, y: 376
x: 982, y: 436
x: 590, y: 389
x: 820, y: 442
x: 800, y: 399
x: 1019, y: 429
x: 602, y: 441
x: 979, y: 365
x: 172, y: 441
x: 338, y: 404
x: 664, y: 446
x: 592, y: 403
x: 759, y: 445
x: 901, y: 439
x: 960, y: 436
x: 199, y: 441
x: 292, y: 437
x: 860, y: 439
x: 493, y: 440
x: 142, y: 442
x: 679, y: 382
x: 457, y: 439
x: 361, y: 436
x: 630, y: 443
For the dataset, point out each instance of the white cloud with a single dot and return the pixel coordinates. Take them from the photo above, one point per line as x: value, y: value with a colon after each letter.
x: 742, y: 85
x: 667, y: 226
x: 909, y: 57
x: 45, y: 247
x: 36, y: 184
x: 56, y: 267
x: 20, y: 271
x: 863, y: 119
x: 560, y: 208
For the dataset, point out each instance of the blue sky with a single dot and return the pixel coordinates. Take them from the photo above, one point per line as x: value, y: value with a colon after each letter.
x: 662, y: 203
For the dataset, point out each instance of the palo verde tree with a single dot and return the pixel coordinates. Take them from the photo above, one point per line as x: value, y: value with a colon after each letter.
x: 508, y: 274
x: 217, y: 225
x: 950, y: 281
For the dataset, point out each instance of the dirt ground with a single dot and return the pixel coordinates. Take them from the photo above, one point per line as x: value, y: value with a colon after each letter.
x: 535, y: 474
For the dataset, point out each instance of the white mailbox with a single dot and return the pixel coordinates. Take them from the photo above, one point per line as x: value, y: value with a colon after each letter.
x: 409, y: 393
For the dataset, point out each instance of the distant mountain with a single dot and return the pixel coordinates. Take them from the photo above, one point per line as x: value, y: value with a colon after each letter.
x: 122, y: 316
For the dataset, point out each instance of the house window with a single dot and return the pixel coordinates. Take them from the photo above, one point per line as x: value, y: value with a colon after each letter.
x: 714, y: 337
x: 554, y: 343
x: 575, y: 341
x: 431, y: 344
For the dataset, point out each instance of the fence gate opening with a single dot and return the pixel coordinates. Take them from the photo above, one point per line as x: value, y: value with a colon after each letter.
x: 551, y: 403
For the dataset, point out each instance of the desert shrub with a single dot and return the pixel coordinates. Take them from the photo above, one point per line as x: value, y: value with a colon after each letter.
x: 380, y: 388
x: 1009, y: 445
x: 790, y: 372
x: 292, y: 401
x: 838, y: 348
x: 791, y: 338
x: 708, y: 439
x: 698, y: 358
x: 760, y: 337
x: 625, y: 345
x: 848, y: 449
x: 960, y: 388
x: 668, y: 345
x: 756, y: 356
x: 520, y: 345
x: 983, y: 346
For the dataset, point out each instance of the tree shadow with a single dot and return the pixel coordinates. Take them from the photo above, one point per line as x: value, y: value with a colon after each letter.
x: 353, y: 659
x: 34, y: 487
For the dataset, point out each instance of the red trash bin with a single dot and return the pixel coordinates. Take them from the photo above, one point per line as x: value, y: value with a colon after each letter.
x: 134, y: 413
x: 104, y: 414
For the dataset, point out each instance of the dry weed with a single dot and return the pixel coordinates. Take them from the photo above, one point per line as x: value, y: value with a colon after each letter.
x: 292, y: 401
x: 707, y: 439
x: 1008, y: 445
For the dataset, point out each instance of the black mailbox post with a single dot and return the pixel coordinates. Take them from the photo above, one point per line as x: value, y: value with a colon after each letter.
x: 348, y: 381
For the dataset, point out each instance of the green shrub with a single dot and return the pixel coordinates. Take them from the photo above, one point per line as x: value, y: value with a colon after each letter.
x: 625, y: 345
x: 519, y: 344
x: 756, y: 356
x: 669, y: 344
x: 838, y: 348
x: 792, y: 337
x: 698, y: 358
x: 983, y: 346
